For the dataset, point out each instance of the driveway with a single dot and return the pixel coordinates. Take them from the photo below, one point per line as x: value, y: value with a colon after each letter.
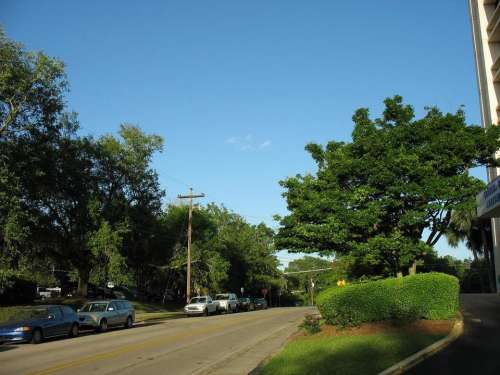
x: 477, y: 351
x: 222, y: 344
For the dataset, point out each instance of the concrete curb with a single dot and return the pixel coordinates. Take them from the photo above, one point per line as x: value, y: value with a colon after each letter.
x: 414, y: 359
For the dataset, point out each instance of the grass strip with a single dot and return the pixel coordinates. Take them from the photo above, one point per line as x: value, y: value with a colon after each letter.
x: 357, y: 355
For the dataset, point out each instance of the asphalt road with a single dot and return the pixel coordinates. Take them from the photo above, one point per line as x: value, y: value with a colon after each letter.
x: 477, y: 351
x: 221, y: 344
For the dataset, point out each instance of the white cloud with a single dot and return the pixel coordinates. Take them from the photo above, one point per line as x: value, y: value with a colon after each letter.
x: 248, y: 143
x: 265, y: 144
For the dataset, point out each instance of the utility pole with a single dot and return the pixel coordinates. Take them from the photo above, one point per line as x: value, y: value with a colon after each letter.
x: 312, y: 292
x: 190, y: 217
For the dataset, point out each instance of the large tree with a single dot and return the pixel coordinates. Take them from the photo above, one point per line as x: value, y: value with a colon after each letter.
x: 387, y: 196
x: 32, y: 120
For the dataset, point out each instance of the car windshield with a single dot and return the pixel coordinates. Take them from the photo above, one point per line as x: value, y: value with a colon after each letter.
x: 222, y: 296
x: 94, y: 307
x: 30, y: 313
x: 198, y: 300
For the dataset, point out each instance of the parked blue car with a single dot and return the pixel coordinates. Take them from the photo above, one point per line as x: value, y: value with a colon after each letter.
x: 36, y: 323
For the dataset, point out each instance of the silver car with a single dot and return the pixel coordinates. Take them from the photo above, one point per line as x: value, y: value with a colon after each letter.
x: 227, y: 302
x: 202, y: 305
x: 100, y: 315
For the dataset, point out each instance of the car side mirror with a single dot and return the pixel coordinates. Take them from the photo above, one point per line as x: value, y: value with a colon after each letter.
x: 111, y: 309
x: 51, y: 316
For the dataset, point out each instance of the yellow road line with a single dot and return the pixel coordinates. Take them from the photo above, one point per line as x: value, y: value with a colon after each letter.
x: 147, y: 344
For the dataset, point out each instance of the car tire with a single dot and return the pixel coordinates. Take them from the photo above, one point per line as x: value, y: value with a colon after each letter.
x: 129, y: 323
x: 74, y: 331
x: 206, y: 312
x: 103, y: 326
x: 37, y: 336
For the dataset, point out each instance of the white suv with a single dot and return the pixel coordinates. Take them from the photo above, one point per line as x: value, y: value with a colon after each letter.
x: 228, y: 302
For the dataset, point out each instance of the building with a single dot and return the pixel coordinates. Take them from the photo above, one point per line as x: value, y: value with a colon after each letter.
x: 485, y: 19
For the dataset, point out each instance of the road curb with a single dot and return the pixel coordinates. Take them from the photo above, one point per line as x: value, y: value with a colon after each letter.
x: 414, y: 359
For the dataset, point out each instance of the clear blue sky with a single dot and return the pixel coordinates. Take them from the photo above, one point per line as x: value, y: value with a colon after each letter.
x: 237, y: 88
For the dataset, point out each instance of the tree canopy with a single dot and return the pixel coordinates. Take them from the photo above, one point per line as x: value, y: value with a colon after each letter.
x: 386, y: 197
x: 93, y: 206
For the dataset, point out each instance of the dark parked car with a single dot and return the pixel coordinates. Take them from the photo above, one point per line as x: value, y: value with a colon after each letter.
x: 260, y: 303
x: 246, y: 304
x: 33, y: 324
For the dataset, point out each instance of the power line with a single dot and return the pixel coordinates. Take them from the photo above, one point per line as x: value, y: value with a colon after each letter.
x: 308, y: 271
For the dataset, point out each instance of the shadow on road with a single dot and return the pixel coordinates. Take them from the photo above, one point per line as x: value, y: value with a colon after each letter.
x: 7, y: 347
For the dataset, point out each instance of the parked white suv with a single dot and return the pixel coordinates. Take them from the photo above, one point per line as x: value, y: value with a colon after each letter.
x: 228, y: 302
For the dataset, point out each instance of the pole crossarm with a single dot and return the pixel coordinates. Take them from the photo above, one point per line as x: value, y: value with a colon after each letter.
x: 191, y: 196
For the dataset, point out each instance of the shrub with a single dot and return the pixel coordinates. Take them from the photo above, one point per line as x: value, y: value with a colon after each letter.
x: 311, y: 324
x: 428, y: 296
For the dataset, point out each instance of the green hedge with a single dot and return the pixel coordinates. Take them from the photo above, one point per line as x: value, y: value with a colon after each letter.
x: 431, y: 296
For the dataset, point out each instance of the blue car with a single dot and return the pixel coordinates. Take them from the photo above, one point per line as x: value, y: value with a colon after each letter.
x: 36, y: 323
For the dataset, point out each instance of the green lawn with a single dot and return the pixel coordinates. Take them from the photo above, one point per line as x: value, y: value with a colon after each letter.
x: 8, y: 312
x: 345, y: 355
x: 146, y: 307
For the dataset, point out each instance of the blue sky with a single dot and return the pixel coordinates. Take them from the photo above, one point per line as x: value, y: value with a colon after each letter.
x: 237, y: 88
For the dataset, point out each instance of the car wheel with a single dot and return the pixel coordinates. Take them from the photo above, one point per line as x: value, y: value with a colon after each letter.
x: 37, y: 336
x: 206, y: 312
x: 129, y: 323
x: 103, y: 326
x: 74, y: 331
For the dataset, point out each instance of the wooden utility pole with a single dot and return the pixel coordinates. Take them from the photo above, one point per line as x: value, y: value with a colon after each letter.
x: 190, y: 217
x: 312, y: 292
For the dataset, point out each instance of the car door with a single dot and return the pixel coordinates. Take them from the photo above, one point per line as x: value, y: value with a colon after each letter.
x: 121, y: 312
x: 55, y: 323
x: 112, y: 313
x: 210, y: 305
x: 234, y: 301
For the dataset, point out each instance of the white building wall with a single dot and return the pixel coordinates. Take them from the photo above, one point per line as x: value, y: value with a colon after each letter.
x: 485, y: 19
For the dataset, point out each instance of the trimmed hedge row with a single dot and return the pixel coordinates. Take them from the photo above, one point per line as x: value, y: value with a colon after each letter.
x: 432, y: 296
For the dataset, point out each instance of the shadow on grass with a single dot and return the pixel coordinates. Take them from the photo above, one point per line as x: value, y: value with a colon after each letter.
x: 366, y: 354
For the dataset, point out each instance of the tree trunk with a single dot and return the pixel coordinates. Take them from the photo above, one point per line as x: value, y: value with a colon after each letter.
x: 488, y: 254
x: 412, y: 270
x: 478, y: 265
x: 83, y: 282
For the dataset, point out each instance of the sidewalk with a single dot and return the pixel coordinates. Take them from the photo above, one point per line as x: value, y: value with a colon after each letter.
x: 478, y: 349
